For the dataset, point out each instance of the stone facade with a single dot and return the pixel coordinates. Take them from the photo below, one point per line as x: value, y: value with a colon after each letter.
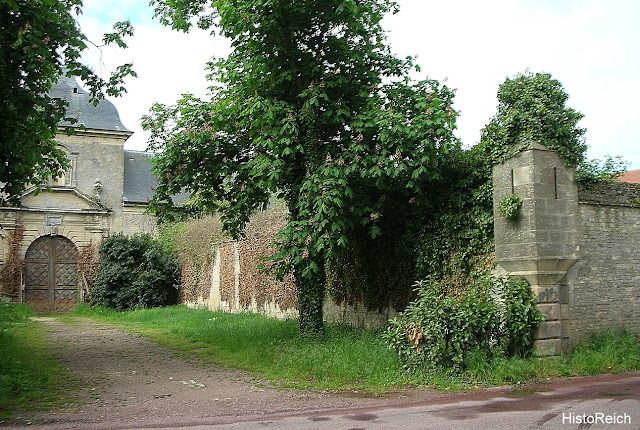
x: 98, y: 195
x: 579, y: 251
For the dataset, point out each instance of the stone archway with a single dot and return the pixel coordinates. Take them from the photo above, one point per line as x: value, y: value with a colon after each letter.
x: 50, y: 274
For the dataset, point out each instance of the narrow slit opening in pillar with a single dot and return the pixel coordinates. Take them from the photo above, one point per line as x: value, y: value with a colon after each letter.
x: 513, y: 188
x: 555, y: 181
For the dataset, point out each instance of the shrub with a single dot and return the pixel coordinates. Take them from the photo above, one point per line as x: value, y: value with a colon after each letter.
x: 135, y: 272
x: 534, y: 107
x: 446, y: 328
x: 521, y: 316
x: 440, y: 328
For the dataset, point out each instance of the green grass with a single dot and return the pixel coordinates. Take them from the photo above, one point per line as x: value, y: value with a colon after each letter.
x: 29, y: 376
x: 346, y: 358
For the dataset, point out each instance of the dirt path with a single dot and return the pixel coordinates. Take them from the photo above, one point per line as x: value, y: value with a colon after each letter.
x: 127, y: 381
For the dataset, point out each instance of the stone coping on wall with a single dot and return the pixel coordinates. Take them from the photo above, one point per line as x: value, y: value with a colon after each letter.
x: 611, y: 194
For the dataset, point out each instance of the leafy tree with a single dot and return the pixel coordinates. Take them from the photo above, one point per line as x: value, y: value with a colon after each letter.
x: 591, y: 172
x: 39, y: 42
x: 533, y: 107
x: 311, y: 106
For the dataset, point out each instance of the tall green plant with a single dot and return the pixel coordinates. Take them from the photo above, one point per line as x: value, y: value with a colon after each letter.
x: 521, y: 316
x: 312, y: 106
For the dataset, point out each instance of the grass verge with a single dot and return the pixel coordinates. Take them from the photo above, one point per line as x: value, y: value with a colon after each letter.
x: 346, y: 358
x: 30, y: 378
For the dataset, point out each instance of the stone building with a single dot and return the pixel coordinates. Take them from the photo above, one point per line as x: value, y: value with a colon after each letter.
x: 103, y: 192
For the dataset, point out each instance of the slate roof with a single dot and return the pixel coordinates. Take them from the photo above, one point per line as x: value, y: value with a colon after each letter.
x: 138, y: 178
x: 632, y: 176
x: 139, y: 181
x: 104, y: 116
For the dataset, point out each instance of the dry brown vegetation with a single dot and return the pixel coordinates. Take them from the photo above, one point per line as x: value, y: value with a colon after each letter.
x: 195, y: 243
x: 87, y: 264
x: 10, y: 275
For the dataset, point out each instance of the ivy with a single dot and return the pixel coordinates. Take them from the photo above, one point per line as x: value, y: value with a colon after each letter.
x: 533, y: 107
x: 509, y: 206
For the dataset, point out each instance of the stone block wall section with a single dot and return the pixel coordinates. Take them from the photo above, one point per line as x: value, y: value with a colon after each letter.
x: 603, y: 288
x: 579, y: 250
x: 237, y: 286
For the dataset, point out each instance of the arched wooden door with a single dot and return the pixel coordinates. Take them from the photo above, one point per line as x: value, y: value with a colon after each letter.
x: 50, y: 278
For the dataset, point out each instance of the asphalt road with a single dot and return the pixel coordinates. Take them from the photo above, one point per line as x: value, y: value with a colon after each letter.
x: 604, y: 402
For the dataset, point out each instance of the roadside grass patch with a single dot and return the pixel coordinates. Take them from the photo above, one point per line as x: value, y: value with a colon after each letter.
x: 30, y: 378
x: 350, y: 359
x: 606, y: 352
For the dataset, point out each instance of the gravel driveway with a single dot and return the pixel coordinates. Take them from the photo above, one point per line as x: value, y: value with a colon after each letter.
x: 127, y: 381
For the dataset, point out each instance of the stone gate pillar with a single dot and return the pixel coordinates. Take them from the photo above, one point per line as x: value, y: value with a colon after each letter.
x: 542, y: 243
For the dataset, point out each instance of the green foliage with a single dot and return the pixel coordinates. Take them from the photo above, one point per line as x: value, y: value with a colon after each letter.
x: 379, y: 272
x: 591, y: 172
x: 455, y: 240
x: 29, y: 376
x: 41, y: 41
x: 509, y: 206
x: 533, y: 107
x: 521, y: 317
x: 447, y: 234
x: 439, y: 329
x: 135, y: 272
x: 449, y: 329
x: 310, y: 106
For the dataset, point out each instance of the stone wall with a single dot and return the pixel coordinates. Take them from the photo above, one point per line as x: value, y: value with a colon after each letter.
x: 135, y: 220
x: 238, y: 285
x: 603, y: 288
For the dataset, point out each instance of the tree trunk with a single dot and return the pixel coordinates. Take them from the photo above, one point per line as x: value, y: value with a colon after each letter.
x: 310, y: 300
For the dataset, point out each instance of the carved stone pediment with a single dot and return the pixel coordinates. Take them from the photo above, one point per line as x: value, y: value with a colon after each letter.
x: 62, y: 199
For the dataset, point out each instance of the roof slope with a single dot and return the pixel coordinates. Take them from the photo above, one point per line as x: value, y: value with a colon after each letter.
x: 632, y: 176
x: 139, y: 180
x: 104, y: 116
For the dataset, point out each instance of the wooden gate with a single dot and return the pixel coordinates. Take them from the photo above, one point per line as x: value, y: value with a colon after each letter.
x: 50, y: 278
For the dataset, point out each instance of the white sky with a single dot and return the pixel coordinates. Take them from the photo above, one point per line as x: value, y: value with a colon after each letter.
x: 591, y: 46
